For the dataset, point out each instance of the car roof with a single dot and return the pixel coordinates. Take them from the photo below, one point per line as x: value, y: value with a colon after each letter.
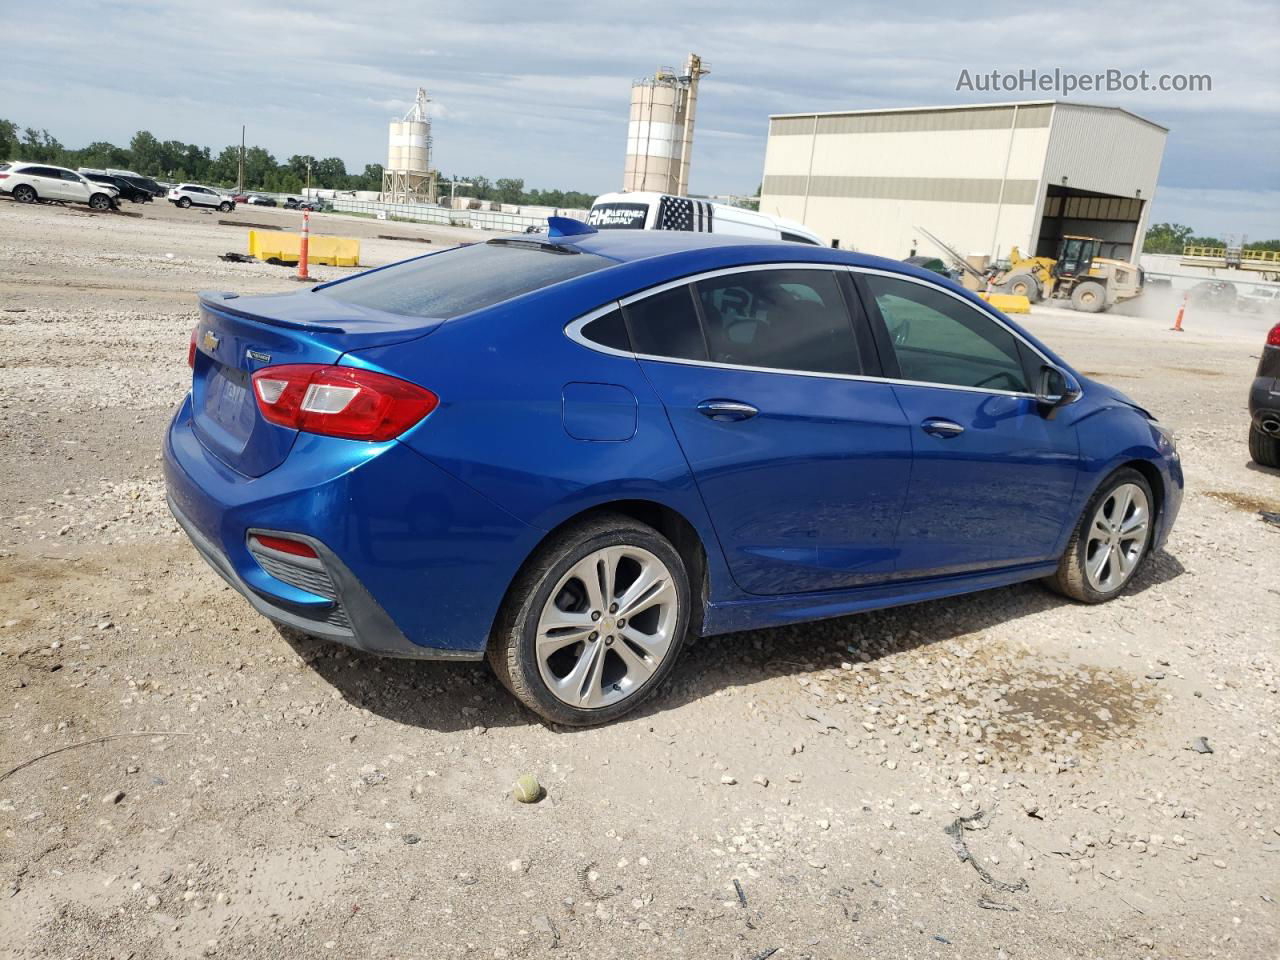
x: 630, y: 246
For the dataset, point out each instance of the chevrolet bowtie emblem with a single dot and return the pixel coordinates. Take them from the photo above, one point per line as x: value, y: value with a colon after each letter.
x: 210, y: 341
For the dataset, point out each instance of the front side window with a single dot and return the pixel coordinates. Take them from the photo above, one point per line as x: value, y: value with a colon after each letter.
x: 782, y: 319
x: 464, y: 279
x: 940, y: 339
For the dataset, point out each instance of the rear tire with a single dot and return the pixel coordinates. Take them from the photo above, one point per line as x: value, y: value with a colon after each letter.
x: 184, y: 202
x: 25, y: 193
x: 1111, y: 540
x: 1264, y: 449
x: 581, y: 654
x: 1089, y: 297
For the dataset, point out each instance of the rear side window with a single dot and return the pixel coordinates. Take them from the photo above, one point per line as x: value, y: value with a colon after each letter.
x: 609, y: 330
x: 780, y: 319
x: 458, y: 281
x: 666, y: 325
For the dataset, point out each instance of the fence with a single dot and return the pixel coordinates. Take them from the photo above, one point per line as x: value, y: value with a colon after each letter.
x: 424, y: 213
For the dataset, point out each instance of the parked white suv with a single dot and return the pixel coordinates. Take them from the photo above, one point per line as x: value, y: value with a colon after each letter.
x: 193, y: 195
x: 31, y: 182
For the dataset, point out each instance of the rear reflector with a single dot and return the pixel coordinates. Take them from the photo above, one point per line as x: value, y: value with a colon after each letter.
x: 1273, y: 338
x: 191, y: 348
x: 295, y: 547
x: 340, y: 401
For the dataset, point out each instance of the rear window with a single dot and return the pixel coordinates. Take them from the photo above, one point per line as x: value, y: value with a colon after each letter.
x: 458, y: 281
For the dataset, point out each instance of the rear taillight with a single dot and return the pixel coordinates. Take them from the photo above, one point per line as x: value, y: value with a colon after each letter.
x: 1273, y: 338
x: 340, y: 401
x: 284, y: 545
x: 191, y: 348
x: 3, y: 176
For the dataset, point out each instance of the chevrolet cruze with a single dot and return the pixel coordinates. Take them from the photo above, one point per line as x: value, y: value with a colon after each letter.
x: 571, y: 453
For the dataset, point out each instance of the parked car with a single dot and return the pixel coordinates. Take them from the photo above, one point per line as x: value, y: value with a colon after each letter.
x: 305, y: 203
x: 32, y: 182
x: 291, y: 203
x: 1264, y: 404
x: 258, y: 200
x: 127, y: 190
x: 1260, y: 300
x: 1217, y: 294
x: 571, y: 452
x: 661, y: 211
x: 240, y: 198
x: 193, y: 195
x: 146, y: 183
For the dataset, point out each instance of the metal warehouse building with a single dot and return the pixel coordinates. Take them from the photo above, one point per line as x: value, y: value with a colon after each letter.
x: 981, y: 178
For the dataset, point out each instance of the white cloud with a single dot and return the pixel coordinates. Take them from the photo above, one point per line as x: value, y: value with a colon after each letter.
x: 541, y: 91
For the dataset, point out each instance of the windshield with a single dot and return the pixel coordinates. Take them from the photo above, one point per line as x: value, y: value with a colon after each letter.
x: 464, y: 279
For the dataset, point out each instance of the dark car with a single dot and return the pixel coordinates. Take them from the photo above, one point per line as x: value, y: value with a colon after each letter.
x: 128, y: 191
x: 1264, y: 404
x: 147, y: 184
x: 568, y: 452
x: 258, y: 200
x: 1213, y: 293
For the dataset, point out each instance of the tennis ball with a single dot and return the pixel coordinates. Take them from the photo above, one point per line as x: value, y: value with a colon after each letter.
x: 527, y: 789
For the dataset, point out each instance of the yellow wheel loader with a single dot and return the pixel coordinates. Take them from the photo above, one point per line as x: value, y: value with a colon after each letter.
x: 1092, y: 283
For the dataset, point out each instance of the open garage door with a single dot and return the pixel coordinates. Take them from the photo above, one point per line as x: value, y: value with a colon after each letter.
x: 1081, y: 213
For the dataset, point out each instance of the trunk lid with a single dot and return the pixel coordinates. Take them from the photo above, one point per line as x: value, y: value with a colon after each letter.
x: 237, y: 336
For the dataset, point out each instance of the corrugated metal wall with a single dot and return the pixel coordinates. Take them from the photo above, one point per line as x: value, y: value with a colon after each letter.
x: 1103, y: 150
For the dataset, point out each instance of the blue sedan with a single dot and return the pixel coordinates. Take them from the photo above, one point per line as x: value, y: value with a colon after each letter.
x: 573, y: 452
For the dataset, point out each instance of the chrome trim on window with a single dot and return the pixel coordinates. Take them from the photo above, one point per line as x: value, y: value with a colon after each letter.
x: 573, y: 330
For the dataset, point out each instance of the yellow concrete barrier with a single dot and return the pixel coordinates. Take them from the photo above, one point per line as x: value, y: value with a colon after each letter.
x: 281, y: 246
x: 1004, y: 302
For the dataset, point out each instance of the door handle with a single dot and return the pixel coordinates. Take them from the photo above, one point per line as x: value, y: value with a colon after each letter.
x: 938, y: 427
x: 726, y: 410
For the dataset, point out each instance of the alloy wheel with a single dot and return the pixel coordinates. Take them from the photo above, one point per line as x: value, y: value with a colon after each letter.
x: 607, y: 627
x: 1117, y: 537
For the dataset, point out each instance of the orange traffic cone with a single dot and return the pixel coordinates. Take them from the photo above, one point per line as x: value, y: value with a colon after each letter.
x: 1177, y: 321
x: 305, y: 243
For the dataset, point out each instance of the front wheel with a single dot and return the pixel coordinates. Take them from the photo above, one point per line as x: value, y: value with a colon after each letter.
x: 594, y: 623
x: 1110, y: 541
x: 224, y: 207
x: 100, y: 201
x: 1022, y: 285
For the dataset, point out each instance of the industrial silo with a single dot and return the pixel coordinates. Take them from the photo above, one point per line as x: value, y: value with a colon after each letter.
x: 660, y: 131
x: 408, y: 177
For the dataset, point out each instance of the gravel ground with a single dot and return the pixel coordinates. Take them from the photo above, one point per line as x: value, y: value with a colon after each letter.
x: 798, y: 789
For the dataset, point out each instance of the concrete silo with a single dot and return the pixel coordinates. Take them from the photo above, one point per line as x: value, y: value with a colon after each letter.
x: 660, y: 132
x: 408, y: 177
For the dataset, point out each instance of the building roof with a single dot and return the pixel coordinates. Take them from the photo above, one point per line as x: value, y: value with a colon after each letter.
x: 969, y: 106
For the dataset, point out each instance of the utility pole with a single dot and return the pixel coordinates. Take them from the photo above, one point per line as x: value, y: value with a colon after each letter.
x: 240, y: 172
x: 453, y: 186
x: 307, y: 192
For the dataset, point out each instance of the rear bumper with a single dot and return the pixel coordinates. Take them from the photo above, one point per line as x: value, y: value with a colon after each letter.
x: 414, y: 563
x: 353, y: 618
x: 1264, y: 401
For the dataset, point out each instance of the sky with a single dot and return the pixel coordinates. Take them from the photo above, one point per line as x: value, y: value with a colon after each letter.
x: 540, y: 91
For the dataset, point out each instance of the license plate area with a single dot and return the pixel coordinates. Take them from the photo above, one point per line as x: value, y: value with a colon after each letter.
x: 228, y: 400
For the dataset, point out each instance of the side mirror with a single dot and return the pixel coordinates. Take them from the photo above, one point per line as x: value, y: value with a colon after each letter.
x: 1057, y: 387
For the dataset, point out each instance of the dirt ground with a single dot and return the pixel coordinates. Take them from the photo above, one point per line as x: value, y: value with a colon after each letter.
x: 787, y: 796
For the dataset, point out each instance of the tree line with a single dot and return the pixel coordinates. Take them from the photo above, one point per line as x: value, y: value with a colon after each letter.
x: 1173, y: 237
x: 177, y: 161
